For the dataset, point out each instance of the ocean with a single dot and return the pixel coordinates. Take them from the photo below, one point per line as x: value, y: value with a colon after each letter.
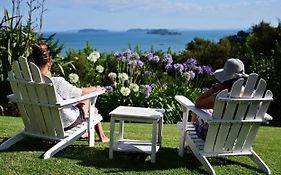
x: 113, y: 41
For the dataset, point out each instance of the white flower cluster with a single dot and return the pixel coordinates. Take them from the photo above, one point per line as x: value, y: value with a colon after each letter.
x: 112, y: 76
x: 94, y: 56
x: 123, y: 77
x: 134, y: 87
x: 125, y: 91
x: 100, y: 68
x: 73, y: 78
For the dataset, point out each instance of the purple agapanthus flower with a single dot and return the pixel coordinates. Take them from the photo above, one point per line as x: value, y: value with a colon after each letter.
x: 120, y: 56
x: 131, y: 62
x: 155, y: 59
x: 147, y: 91
x: 139, y: 63
x: 199, y: 69
x: 149, y: 56
x: 169, y: 67
x: 128, y: 53
x: 191, y: 75
x: 117, y: 54
x: 147, y: 73
x: 190, y: 63
x: 178, y: 67
x: 136, y: 63
x: 167, y: 59
x: 208, y: 70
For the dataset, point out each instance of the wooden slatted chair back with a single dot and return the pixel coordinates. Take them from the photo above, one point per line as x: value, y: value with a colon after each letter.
x: 237, y: 116
x: 36, y: 99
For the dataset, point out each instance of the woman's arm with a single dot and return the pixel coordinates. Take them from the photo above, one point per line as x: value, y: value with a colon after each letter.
x: 87, y: 90
x: 207, y: 99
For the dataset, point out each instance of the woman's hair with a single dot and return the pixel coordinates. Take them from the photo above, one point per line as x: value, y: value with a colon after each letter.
x: 40, y: 54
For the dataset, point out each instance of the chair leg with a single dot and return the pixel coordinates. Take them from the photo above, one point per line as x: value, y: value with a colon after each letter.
x: 182, y: 143
x: 62, y: 144
x: 259, y: 162
x: 204, y: 161
x: 19, y: 136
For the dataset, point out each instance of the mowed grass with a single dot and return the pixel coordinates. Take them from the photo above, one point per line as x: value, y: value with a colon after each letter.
x: 25, y: 156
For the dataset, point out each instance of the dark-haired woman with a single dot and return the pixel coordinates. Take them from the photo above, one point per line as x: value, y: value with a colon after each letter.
x: 71, y: 115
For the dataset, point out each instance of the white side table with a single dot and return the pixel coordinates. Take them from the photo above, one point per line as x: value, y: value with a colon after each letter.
x: 138, y: 114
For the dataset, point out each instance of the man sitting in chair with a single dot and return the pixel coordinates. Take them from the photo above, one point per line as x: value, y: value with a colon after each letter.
x: 232, y: 70
x: 72, y: 115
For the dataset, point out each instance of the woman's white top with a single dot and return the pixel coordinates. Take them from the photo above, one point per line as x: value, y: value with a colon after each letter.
x: 64, y: 91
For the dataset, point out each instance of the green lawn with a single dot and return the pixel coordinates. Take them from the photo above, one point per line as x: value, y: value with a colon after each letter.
x: 24, y: 157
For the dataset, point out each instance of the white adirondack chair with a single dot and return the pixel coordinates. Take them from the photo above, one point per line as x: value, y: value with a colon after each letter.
x: 233, y: 125
x: 40, y: 111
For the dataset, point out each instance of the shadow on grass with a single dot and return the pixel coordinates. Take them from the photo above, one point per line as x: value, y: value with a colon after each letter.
x: 29, y: 144
x: 166, y: 159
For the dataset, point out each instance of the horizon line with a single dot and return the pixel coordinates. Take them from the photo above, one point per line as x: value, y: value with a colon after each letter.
x: 125, y: 30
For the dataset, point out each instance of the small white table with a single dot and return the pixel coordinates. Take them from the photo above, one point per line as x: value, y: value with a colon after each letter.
x: 137, y: 114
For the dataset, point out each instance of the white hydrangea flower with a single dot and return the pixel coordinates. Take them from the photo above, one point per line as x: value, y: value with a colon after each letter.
x: 123, y: 77
x: 94, y: 56
x: 73, y: 78
x: 100, y: 68
x: 134, y: 87
x: 112, y: 76
x: 125, y: 91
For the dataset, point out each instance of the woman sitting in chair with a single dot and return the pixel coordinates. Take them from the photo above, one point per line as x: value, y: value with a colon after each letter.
x: 73, y: 115
x: 233, y: 70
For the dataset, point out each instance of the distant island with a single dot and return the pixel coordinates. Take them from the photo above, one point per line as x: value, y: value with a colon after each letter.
x: 163, y: 32
x: 92, y: 30
x: 147, y: 31
x: 155, y: 31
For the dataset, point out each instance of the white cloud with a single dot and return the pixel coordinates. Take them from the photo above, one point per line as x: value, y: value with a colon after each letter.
x: 157, y: 13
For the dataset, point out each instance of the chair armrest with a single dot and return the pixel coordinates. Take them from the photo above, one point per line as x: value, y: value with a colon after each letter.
x: 268, y: 117
x: 186, y: 103
x: 79, y: 99
x: 11, y: 97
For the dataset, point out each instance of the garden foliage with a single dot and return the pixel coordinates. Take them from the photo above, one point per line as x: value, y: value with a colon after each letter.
x: 132, y: 78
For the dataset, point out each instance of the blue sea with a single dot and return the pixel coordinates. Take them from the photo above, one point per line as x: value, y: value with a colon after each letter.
x: 113, y: 41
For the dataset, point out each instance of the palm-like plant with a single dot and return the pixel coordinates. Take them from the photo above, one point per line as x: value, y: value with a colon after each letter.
x: 17, y: 40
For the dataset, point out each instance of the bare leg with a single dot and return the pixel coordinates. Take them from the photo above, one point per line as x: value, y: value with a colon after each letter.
x: 98, y: 127
x: 101, y: 134
x: 193, y: 117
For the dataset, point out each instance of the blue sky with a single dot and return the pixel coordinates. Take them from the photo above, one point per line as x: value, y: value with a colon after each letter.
x: 64, y: 15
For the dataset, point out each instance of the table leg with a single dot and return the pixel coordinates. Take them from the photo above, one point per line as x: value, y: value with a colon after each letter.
x: 160, y: 128
x: 153, y: 147
x: 121, y: 129
x: 112, y: 127
x: 91, y: 127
